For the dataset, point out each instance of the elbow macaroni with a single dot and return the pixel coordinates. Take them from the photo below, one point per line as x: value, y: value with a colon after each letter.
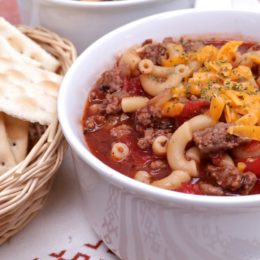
x: 227, y: 161
x: 159, y: 145
x: 131, y: 104
x: 129, y: 62
x: 193, y: 154
x: 143, y: 176
x: 173, y: 181
x: 154, y: 87
x: 179, y: 140
x: 182, y: 70
x: 151, y: 72
x: 146, y: 66
x: 119, y: 151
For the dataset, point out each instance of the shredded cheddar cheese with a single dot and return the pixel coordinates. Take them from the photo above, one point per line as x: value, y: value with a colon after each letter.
x: 179, y: 91
x: 252, y: 132
x: 228, y: 51
x: 176, y: 55
x: 233, y: 97
x: 195, y: 90
x: 223, y: 69
x: 248, y: 119
x: 207, y: 53
x: 220, y: 78
x: 241, y: 166
x: 203, y: 78
x: 172, y: 109
x: 241, y: 72
x: 174, y: 61
x: 255, y: 57
x: 216, y: 108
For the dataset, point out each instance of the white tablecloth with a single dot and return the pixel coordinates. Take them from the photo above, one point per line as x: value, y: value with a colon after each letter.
x: 60, y: 230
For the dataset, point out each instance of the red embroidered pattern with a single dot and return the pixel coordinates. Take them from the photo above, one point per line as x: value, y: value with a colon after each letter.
x: 96, y: 246
x: 58, y: 255
x: 83, y: 252
x: 80, y: 256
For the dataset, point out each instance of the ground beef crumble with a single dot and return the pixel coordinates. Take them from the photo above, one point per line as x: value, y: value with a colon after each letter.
x: 112, y: 104
x: 215, y: 139
x: 209, y: 189
x: 148, y: 116
x: 120, y: 131
x: 93, y: 123
x: 158, y: 164
x: 149, y: 135
x: 154, y: 52
x: 110, y: 81
x: 191, y: 45
x: 229, y: 178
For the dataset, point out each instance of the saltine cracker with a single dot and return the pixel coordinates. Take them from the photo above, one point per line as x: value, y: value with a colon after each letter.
x: 26, y: 46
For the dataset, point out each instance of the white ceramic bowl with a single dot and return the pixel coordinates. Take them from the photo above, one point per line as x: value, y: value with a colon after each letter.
x: 138, y: 221
x: 84, y: 22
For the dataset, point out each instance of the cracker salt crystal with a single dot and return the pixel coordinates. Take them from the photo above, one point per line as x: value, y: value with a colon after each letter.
x: 23, y: 44
x: 7, y: 159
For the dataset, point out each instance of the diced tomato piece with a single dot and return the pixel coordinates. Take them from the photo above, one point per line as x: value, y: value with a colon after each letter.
x: 253, y: 146
x: 248, y: 150
x: 190, y: 189
x: 253, y: 165
x: 133, y: 86
x: 256, y: 188
x: 138, y: 156
x: 192, y: 108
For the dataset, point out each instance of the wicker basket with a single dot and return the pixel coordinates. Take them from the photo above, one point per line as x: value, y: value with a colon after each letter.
x: 24, y: 188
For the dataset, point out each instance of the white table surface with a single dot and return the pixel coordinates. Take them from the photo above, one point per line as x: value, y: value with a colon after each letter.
x: 59, y: 226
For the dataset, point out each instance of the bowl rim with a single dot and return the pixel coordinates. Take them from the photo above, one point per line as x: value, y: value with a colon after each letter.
x: 107, y: 4
x: 127, y: 182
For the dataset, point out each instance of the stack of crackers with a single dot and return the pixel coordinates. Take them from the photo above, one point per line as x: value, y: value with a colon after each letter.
x: 28, y: 92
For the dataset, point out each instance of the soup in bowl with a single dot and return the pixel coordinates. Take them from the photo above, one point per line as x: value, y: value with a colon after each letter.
x: 190, y: 79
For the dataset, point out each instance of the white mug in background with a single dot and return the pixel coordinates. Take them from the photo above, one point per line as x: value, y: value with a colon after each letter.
x: 84, y: 22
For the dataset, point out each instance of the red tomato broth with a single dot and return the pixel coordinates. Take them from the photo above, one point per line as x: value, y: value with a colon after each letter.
x: 256, y: 189
x: 253, y: 165
x: 100, y: 141
x: 133, y: 86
